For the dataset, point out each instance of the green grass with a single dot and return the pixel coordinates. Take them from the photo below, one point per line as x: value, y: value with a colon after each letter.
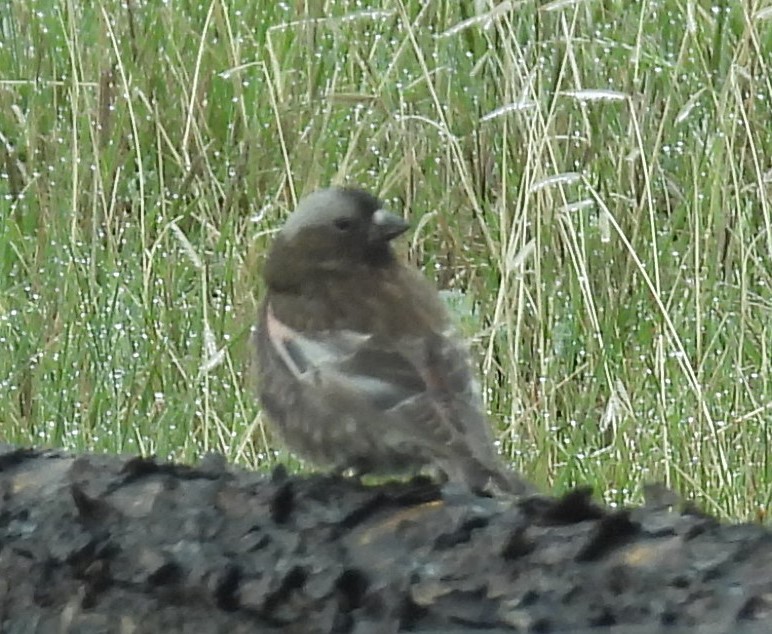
x: 591, y: 180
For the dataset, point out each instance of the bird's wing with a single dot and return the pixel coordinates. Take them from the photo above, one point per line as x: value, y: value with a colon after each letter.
x: 350, y: 361
x: 424, y: 383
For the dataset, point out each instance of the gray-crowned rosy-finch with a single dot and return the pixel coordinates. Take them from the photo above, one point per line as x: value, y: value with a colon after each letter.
x: 359, y: 367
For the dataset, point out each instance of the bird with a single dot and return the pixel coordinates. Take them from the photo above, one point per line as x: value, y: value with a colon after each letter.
x: 360, y: 369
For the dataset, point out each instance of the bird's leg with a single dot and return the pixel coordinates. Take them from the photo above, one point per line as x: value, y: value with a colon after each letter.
x: 353, y: 471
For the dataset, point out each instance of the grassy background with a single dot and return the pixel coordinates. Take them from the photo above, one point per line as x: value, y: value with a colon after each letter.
x: 591, y: 182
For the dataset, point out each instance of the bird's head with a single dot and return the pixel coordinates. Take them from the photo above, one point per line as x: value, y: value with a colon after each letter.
x: 333, y: 230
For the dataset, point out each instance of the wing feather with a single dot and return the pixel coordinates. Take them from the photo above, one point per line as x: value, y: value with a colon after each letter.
x: 422, y: 384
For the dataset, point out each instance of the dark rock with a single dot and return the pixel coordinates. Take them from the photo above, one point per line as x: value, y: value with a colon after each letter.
x: 105, y: 544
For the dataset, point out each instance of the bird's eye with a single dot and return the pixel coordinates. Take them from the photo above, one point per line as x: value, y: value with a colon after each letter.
x: 343, y: 224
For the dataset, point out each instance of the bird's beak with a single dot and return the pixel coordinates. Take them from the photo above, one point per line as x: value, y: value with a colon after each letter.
x: 386, y: 226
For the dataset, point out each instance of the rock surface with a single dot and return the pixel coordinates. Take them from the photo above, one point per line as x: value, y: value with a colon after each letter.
x: 101, y: 543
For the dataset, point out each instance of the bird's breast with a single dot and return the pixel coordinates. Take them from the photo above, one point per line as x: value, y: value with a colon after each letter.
x: 395, y: 302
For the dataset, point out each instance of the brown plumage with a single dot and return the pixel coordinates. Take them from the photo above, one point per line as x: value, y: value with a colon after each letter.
x: 358, y: 364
